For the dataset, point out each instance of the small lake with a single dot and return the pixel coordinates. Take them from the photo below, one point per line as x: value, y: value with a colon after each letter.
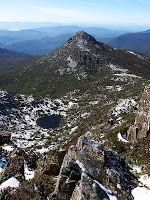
x: 51, y: 121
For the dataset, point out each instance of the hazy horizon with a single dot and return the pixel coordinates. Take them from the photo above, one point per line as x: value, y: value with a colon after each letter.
x: 112, y: 14
x: 18, y: 25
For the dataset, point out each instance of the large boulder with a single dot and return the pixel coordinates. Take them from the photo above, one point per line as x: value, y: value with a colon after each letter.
x: 91, y: 172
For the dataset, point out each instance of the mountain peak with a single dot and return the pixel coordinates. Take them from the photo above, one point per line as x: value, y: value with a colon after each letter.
x: 82, y: 36
x: 84, y: 41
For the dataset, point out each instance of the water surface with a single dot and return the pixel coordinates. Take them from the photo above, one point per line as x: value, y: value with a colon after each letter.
x: 51, y: 121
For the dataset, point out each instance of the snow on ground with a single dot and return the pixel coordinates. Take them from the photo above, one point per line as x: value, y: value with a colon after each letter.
x: 123, y: 105
x: 8, y: 148
x: 122, y: 73
x: 120, y: 138
x: 71, y: 104
x: 11, y: 182
x: 143, y: 190
x: 141, y: 193
x: 93, y: 102
x: 108, y: 192
x: 140, y: 56
x: 73, y: 129
x: 117, y: 68
x: 28, y: 173
x: 145, y: 180
x: 114, y: 88
x: 136, y: 169
x: 84, y: 115
x: 23, y: 112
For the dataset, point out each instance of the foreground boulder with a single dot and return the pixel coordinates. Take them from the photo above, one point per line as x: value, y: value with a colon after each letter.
x: 91, y: 172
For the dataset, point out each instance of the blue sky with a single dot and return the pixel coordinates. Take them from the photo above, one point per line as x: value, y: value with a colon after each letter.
x: 77, y: 11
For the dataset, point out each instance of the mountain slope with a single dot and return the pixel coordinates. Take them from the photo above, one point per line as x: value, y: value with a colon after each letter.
x: 9, y: 37
x: 133, y: 41
x: 10, y: 59
x: 81, y: 59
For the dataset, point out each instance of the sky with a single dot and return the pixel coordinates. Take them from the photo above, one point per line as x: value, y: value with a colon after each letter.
x: 88, y: 12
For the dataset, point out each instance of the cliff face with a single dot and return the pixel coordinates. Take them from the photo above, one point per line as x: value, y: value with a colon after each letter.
x: 90, y: 172
x: 142, y: 122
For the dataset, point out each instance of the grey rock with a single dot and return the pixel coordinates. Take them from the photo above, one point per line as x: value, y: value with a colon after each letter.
x: 87, y: 164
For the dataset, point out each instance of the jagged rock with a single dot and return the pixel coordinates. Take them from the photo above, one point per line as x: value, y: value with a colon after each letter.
x: 87, y: 163
x: 4, y: 138
x: 141, y: 128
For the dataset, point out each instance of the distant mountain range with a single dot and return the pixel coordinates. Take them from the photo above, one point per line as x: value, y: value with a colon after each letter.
x: 40, y: 41
x: 9, y: 59
x: 139, y: 42
x: 40, y: 46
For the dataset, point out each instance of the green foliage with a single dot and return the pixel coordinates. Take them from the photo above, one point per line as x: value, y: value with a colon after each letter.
x: 134, y: 157
x: 112, y: 133
x: 118, y: 146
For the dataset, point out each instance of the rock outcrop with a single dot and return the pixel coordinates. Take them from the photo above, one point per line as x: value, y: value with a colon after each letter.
x: 141, y: 128
x: 90, y: 172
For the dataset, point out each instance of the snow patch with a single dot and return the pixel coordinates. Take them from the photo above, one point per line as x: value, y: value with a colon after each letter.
x: 11, y: 182
x: 121, y: 72
x: 145, y: 180
x: 108, y: 192
x: 8, y: 148
x: 120, y: 138
x: 81, y: 166
x: 141, y: 193
x: 131, y: 52
x: 73, y: 129
x: 136, y: 169
x: 123, y: 106
x: 29, y: 174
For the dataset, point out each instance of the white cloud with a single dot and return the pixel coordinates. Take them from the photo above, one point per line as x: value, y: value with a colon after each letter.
x: 69, y: 14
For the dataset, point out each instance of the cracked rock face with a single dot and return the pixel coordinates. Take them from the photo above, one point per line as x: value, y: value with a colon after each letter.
x: 141, y: 128
x: 91, y: 172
